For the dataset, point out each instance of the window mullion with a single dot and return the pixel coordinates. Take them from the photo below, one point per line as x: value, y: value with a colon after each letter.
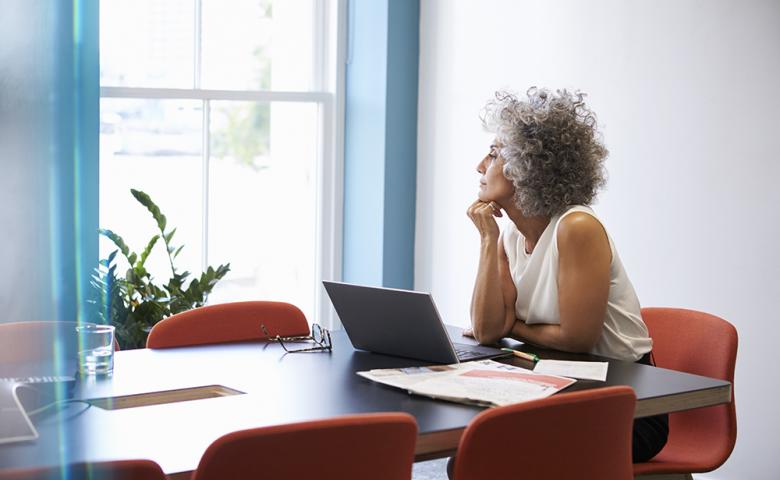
x: 206, y: 154
x: 198, y: 43
x: 201, y: 94
x: 319, y: 40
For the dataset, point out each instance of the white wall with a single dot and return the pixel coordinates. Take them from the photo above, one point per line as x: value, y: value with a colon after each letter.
x: 687, y: 95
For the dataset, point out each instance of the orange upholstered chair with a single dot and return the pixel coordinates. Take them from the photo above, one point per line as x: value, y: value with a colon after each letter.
x: 117, y: 470
x: 582, y: 435
x: 38, y: 341
x: 376, y: 446
x: 700, y: 440
x: 228, y: 322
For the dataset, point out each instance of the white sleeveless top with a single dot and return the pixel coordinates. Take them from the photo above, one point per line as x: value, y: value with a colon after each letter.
x: 624, y: 335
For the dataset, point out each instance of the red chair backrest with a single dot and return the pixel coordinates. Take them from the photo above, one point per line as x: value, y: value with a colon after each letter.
x: 38, y: 340
x: 582, y: 435
x: 228, y: 322
x: 370, y: 446
x: 702, y: 344
x: 692, y: 342
x: 117, y: 470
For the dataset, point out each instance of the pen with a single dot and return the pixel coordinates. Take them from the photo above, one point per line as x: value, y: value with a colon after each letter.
x: 528, y: 356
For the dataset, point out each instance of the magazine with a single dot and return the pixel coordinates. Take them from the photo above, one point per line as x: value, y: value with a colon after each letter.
x: 482, y: 382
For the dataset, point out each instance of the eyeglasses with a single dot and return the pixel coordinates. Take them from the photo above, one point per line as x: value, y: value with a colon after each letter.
x: 319, y: 335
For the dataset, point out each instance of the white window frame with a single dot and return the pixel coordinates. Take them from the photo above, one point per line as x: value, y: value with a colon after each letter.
x: 328, y: 94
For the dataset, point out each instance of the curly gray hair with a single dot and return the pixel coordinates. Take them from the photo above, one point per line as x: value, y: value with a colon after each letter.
x: 551, y: 148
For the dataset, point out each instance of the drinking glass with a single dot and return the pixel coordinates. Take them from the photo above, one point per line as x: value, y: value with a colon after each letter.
x: 96, y: 349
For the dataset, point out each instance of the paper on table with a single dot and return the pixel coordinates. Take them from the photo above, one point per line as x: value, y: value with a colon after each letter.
x: 482, y: 382
x: 564, y: 368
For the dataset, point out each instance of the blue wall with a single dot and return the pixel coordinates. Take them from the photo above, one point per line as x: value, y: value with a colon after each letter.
x: 75, y: 94
x: 380, y: 166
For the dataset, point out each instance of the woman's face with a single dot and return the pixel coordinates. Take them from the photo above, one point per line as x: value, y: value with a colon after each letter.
x: 493, y: 185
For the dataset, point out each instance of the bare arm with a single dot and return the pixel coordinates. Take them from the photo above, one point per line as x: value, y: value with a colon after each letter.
x: 583, y: 288
x: 490, y: 319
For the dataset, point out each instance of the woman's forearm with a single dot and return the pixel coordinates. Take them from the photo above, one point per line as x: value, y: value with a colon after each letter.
x: 550, y: 336
x: 487, y: 301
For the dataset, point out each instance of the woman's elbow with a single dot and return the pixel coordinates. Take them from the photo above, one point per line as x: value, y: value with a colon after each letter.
x: 487, y: 336
x: 582, y: 343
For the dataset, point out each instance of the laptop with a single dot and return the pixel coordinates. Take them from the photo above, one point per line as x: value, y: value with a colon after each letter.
x: 403, y: 323
x: 15, y: 424
x: 21, y: 398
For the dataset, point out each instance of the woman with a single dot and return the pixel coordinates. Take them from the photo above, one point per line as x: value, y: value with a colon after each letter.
x: 552, y: 277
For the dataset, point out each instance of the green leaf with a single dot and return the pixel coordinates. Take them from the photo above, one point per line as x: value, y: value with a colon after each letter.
x: 145, y: 200
x: 140, y: 271
x: 148, y: 250
x: 118, y: 241
x: 222, y: 270
x: 134, y: 301
x: 169, y: 236
x: 130, y: 276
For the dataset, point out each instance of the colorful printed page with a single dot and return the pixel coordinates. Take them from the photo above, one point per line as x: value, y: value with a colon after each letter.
x: 482, y: 382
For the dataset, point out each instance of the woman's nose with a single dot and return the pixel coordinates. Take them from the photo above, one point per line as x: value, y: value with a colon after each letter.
x: 481, y: 166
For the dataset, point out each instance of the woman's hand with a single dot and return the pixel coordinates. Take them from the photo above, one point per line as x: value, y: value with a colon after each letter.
x: 483, y: 215
x: 491, y: 317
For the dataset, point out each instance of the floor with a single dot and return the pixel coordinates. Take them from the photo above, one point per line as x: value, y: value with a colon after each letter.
x: 430, y: 470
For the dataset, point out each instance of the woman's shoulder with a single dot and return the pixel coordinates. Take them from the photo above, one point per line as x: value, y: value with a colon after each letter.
x: 578, y: 222
x: 579, y: 227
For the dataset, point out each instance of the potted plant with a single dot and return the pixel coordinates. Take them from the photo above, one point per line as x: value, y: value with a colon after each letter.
x: 133, y: 302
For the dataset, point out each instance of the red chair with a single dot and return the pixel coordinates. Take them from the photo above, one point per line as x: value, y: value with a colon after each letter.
x: 700, y: 440
x: 371, y: 446
x: 582, y: 435
x: 228, y: 322
x: 38, y: 341
x: 117, y: 470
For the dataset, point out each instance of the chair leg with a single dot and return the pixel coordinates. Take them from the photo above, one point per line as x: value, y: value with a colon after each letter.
x: 668, y: 476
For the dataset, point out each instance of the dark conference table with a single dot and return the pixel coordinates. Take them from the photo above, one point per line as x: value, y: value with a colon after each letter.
x: 280, y: 389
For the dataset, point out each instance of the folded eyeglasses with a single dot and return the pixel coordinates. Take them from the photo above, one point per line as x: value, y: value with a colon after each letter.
x: 319, y: 335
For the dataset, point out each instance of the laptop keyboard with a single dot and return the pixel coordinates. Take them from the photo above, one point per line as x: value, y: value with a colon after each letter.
x: 467, y: 354
x: 465, y: 351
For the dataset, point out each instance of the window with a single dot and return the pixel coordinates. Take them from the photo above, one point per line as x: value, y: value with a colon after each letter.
x: 226, y: 114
